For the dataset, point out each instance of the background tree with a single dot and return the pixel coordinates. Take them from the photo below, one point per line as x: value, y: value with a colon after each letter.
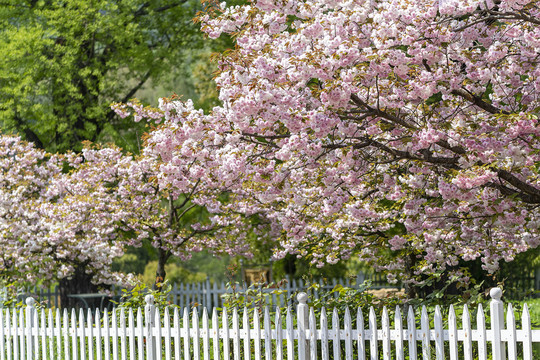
x: 64, y: 62
x: 404, y: 132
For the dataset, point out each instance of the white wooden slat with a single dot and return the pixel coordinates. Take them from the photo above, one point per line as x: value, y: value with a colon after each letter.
x: 452, y: 334
x: 106, y: 336
x: 123, y: 335
x: 2, y: 337
x: 267, y: 334
x: 140, y: 337
x: 97, y: 319
x: 481, y: 332
x: 206, y: 335
x: 43, y: 331
x: 497, y: 321
x: 385, y: 325
x: 22, y: 340
x: 511, y: 326
x: 8, y: 335
x: 336, y: 341
x: 289, y: 334
x: 257, y: 337
x: 398, y: 326
x: 361, y: 335
x: 215, y: 333
x: 177, y: 336
x: 158, y: 339
x: 51, y: 339
x: 82, y: 338
x: 167, y: 333
x: 26, y: 337
x: 245, y: 331
x: 348, y: 334
x: 90, y: 334
x: 439, y: 337
x: 411, y: 334
x: 279, y: 335
x: 37, y: 347
x: 185, y: 334
x: 426, y: 334
x: 74, y: 344
x: 131, y: 326
x: 235, y: 334
x: 312, y: 335
x: 114, y: 334
x: 373, y: 340
x: 196, y: 334
x: 467, y: 342
x: 65, y: 334
x: 527, y: 339
x: 225, y: 329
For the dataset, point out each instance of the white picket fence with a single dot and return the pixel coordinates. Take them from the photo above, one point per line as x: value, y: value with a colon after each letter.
x: 44, y: 334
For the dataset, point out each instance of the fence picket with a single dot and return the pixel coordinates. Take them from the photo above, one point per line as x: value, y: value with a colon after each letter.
x: 467, y: 342
x: 22, y: 342
x: 411, y: 333
x: 196, y: 334
x: 246, y: 333
x: 106, y: 336
x: 452, y: 331
x: 140, y: 337
x: 177, y: 335
x: 51, y: 338
x: 348, y: 334
x: 312, y: 335
x: 65, y: 333
x: 167, y: 333
x: 511, y: 326
x: 497, y: 323
x: 215, y: 335
x: 6, y: 322
x: 98, y: 335
x: 206, y: 335
x: 398, y: 326
x: 123, y: 335
x: 236, y: 335
x: 225, y: 323
x: 527, y: 339
x: 279, y: 335
x: 157, y: 328
x: 131, y: 325
x: 257, y: 337
x: 185, y: 334
x: 74, y: 345
x: 289, y: 334
x: 481, y: 330
x: 267, y: 334
x: 361, y: 335
x: 90, y: 334
x: 373, y: 341
x: 426, y: 334
x: 114, y: 334
x: 336, y: 345
x: 385, y: 334
x: 324, y: 335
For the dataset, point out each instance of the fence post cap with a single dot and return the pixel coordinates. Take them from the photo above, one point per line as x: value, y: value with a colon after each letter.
x: 495, y: 293
x: 302, y: 298
x: 149, y: 299
x: 30, y: 301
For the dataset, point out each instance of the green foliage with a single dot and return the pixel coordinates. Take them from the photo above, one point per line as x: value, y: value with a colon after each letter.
x: 135, y: 297
x: 175, y: 274
x: 64, y: 62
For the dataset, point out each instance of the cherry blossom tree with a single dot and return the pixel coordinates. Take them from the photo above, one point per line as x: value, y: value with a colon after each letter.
x: 65, y: 218
x: 405, y: 132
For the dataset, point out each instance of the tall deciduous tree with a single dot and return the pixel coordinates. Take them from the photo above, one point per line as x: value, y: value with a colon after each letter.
x: 392, y: 127
x: 64, y: 62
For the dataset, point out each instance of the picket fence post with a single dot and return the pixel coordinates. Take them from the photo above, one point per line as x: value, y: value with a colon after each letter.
x: 30, y: 308
x: 496, y: 310
x: 149, y: 317
x: 303, y: 325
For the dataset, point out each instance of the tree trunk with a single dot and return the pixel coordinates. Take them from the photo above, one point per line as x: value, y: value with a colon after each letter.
x: 163, y: 256
x: 79, y: 283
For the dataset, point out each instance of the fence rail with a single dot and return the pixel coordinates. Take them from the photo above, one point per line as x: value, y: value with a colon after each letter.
x: 297, y: 334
